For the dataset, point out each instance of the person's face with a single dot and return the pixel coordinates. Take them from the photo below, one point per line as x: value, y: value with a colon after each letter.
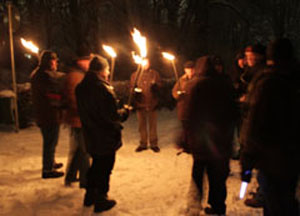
x: 190, y: 72
x: 219, y: 68
x: 105, y: 74
x: 252, y: 58
x: 241, y: 62
x: 270, y: 62
x: 53, y: 64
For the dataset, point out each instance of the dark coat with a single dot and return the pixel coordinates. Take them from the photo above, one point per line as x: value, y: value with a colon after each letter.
x: 99, y: 115
x: 47, y: 96
x: 150, y: 83
x: 181, y: 99
x: 270, y: 132
x: 212, y: 113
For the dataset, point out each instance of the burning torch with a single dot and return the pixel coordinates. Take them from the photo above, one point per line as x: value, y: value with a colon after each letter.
x: 171, y: 58
x: 111, y: 52
x: 30, y: 46
x: 140, y: 60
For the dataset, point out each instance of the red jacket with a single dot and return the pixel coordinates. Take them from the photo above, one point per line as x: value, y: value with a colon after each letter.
x: 73, y: 78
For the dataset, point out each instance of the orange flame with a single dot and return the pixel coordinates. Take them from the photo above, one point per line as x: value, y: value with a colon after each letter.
x: 110, y: 51
x: 141, y: 42
x: 29, y: 45
x: 168, y: 56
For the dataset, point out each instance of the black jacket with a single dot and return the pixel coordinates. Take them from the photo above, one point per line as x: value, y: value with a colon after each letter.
x: 270, y: 132
x: 211, y: 115
x: 100, y: 117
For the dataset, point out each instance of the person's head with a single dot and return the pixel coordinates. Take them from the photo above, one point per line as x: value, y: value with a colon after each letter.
x: 218, y: 64
x: 189, y: 69
x: 48, y: 60
x: 83, y: 58
x: 99, y: 66
x: 255, y: 54
x: 280, y: 51
x: 204, y: 67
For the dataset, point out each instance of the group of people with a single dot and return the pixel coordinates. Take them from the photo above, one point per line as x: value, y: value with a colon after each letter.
x: 84, y: 99
x: 260, y: 100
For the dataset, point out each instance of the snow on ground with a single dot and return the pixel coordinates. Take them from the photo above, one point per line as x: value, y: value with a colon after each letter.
x: 144, y: 184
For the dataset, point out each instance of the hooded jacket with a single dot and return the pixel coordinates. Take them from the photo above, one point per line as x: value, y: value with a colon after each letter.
x: 212, y: 113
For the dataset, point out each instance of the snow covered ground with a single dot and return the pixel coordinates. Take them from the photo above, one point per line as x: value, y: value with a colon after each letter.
x: 144, y: 184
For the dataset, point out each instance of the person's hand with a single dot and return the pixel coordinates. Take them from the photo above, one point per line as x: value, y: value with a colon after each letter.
x: 128, y: 107
x: 246, y: 176
x: 242, y: 99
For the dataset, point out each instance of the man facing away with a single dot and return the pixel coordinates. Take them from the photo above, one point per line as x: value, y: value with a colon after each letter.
x: 46, y: 97
x: 78, y: 158
x: 101, y: 123
x: 148, y: 83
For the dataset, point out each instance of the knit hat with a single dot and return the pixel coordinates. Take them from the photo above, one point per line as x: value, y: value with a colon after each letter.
x: 98, y: 63
x: 189, y: 64
x: 256, y: 48
x: 83, y: 53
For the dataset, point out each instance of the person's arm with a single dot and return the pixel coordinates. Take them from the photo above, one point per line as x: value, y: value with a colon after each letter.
x: 175, y: 91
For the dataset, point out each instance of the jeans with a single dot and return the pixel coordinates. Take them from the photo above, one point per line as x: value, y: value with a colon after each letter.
x: 145, y: 119
x: 78, y: 158
x: 98, y: 175
x: 50, y: 140
x: 217, y: 172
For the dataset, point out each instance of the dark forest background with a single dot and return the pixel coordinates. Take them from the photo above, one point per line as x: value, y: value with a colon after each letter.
x: 188, y: 28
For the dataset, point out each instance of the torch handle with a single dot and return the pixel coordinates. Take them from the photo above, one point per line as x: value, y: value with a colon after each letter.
x: 112, y: 70
x: 134, y: 84
x: 176, y: 75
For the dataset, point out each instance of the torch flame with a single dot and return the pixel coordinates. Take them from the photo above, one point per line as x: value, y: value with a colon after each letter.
x: 141, y: 42
x: 138, y: 59
x: 29, y: 45
x: 110, y: 51
x: 168, y: 56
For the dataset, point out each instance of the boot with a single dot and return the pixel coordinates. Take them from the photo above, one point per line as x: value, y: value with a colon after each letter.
x: 103, y: 204
x: 89, y: 198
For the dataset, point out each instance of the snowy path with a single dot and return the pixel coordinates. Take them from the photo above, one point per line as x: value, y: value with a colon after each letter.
x: 144, y: 184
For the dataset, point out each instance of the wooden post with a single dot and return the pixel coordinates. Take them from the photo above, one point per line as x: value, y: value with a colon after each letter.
x: 13, y: 71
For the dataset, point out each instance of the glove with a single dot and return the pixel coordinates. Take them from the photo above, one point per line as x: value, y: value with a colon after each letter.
x: 246, y: 176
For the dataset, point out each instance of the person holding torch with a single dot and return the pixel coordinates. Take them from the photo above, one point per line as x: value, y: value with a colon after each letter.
x: 146, y: 85
x: 47, y: 88
x: 180, y: 88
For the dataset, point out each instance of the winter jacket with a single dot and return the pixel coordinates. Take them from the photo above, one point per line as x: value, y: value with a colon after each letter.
x: 270, y: 132
x: 181, y: 99
x: 212, y: 113
x: 100, y: 117
x: 47, y: 96
x: 73, y: 78
x: 150, y: 83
